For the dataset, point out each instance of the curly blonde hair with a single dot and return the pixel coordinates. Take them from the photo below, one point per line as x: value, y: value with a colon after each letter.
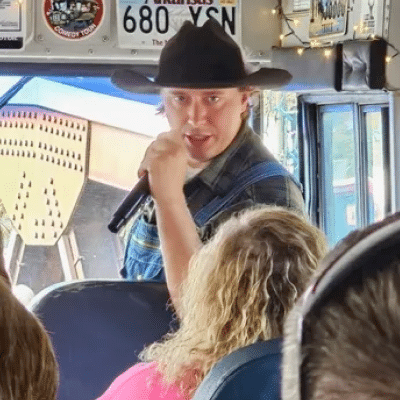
x: 240, y: 287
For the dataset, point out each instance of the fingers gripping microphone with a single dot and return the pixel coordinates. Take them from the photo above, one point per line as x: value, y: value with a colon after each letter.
x: 130, y: 205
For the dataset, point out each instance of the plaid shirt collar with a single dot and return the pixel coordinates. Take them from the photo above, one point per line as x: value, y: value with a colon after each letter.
x: 219, y: 174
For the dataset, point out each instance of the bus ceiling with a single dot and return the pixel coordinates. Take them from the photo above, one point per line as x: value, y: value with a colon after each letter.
x: 338, y: 48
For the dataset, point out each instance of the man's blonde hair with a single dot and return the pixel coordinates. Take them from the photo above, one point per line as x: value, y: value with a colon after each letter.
x: 240, y: 287
x: 28, y: 368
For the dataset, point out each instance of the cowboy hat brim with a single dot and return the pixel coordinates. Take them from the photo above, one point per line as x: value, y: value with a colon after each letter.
x: 264, y: 78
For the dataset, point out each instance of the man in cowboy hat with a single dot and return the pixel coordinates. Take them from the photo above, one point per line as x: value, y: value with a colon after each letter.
x: 210, y: 164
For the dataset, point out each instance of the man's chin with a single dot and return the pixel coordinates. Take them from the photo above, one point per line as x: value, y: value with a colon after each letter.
x: 196, y: 161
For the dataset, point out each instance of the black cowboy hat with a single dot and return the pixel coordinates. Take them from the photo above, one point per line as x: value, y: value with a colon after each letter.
x: 201, y: 57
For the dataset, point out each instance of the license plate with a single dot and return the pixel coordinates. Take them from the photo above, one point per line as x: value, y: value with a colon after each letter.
x: 149, y: 24
x: 12, y: 25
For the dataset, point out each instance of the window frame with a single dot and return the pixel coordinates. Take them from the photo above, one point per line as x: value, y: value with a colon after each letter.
x: 311, y: 151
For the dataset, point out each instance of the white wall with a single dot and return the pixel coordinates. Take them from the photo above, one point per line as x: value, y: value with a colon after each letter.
x: 393, y: 68
x: 393, y: 77
x: 260, y: 28
x: 115, y: 155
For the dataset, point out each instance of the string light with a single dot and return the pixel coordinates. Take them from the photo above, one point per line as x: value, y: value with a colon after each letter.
x: 315, y: 43
x: 279, y: 10
x: 362, y: 28
x: 327, y: 53
x: 300, y: 50
x: 390, y: 58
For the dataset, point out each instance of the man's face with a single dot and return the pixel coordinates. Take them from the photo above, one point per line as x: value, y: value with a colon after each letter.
x: 208, y: 119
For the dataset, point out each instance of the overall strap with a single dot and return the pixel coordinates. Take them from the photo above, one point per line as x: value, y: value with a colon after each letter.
x: 253, y: 175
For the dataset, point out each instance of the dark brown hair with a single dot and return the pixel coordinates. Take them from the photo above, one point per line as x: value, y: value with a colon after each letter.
x: 352, y: 348
x: 3, y: 274
x: 27, y: 362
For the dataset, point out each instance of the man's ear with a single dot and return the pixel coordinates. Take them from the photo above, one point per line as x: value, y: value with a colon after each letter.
x: 245, y: 100
x: 246, y: 96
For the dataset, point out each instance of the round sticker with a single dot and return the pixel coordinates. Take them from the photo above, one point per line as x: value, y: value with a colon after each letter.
x: 73, y: 19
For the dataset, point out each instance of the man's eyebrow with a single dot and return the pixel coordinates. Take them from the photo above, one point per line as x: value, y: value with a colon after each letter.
x: 213, y: 92
x: 177, y: 92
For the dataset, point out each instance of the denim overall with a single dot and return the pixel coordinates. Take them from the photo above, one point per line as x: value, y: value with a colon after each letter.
x: 143, y: 259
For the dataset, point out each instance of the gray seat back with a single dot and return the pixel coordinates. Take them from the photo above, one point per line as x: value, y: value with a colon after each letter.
x: 98, y: 328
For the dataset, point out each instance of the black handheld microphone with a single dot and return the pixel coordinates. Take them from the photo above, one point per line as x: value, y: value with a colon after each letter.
x: 130, y: 205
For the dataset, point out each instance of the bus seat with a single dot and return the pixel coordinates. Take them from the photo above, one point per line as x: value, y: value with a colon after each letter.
x: 252, y: 372
x: 98, y: 328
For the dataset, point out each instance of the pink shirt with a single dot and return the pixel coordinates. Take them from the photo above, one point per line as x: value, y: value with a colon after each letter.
x: 142, y: 382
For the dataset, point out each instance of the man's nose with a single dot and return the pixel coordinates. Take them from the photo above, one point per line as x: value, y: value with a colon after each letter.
x: 197, y: 112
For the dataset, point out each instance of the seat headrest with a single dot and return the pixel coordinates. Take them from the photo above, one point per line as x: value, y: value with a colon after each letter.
x: 98, y: 327
x: 252, y: 372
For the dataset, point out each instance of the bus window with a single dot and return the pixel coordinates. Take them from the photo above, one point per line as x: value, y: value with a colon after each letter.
x: 40, y: 131
x: 351, y: 160
x: 279, y: 127
x: 338, y: 171
x: 373, y: 119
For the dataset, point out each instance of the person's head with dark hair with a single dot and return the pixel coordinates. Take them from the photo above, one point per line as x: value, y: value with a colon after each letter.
x: 342, y: 340
x: 28, y: 365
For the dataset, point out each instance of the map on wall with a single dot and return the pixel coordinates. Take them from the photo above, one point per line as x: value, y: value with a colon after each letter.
x: 328, y: 17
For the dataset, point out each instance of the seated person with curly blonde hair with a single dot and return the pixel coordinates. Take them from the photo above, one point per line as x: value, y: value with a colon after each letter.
x: 240, y: 287
x: 27, y: 362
